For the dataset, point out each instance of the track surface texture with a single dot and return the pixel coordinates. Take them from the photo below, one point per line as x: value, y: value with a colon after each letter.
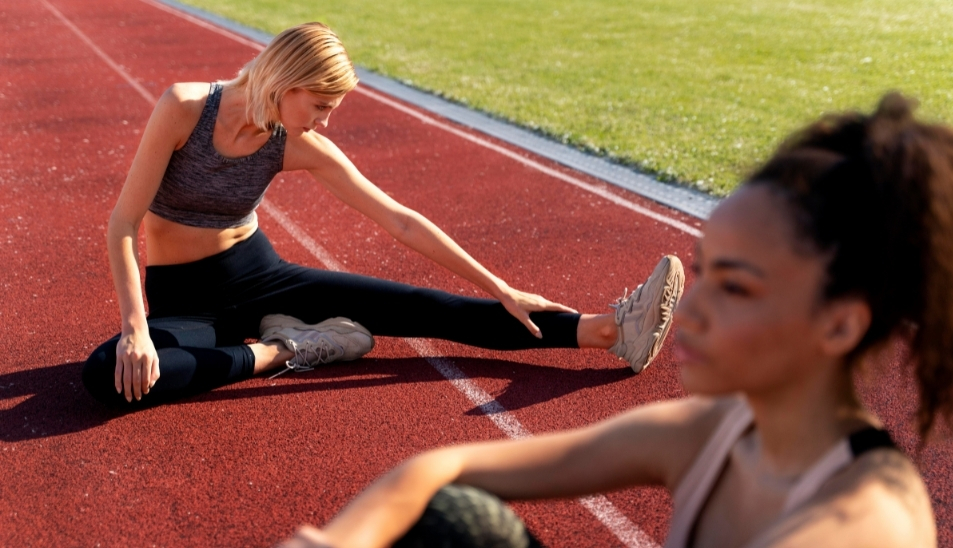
x: 245, y: 464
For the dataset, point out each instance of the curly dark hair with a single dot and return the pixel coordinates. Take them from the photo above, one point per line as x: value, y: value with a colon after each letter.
x: 874, y: 193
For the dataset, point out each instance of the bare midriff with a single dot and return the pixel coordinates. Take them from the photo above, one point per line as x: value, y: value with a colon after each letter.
x: 168, y: 242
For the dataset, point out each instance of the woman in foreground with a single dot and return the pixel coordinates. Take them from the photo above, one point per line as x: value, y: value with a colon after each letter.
x: 213, y: 280
x: 840, y: 245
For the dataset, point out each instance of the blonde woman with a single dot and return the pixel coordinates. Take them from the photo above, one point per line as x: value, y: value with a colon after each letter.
x: 213, y: 280
x: 839, y: 245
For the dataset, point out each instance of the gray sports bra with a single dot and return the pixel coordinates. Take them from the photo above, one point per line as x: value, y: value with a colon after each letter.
x: 696, y: 486
x: 205, y: 189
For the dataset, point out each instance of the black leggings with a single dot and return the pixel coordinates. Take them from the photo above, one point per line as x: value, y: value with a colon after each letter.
x: 201, y: 314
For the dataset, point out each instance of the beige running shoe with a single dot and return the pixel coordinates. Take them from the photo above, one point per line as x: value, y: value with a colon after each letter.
x: 645, y: 316
x: 337, y: 339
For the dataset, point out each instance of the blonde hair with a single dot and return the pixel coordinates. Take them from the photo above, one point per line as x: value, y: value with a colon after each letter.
x: 309, y: 56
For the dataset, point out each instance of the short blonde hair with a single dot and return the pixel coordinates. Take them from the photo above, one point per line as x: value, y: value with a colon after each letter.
x: 308, y: 56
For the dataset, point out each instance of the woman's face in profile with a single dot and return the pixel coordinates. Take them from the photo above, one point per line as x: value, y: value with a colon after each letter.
x: 750, y: 321
x: 301, y: 110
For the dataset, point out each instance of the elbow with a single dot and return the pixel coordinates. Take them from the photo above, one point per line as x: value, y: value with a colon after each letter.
x: 120, y: 227
x: 115, y: 226
x: 437, y: 467
x: 403, y: 225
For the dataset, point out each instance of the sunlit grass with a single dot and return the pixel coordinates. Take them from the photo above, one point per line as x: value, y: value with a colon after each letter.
x: 696, y: 92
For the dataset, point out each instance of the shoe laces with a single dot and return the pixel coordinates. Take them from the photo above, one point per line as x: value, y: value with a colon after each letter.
x: 625, y: 303
x: 321, y: 350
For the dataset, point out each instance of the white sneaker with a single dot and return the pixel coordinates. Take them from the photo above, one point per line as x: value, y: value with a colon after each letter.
x: 645, y: 316
x: 337, y: 339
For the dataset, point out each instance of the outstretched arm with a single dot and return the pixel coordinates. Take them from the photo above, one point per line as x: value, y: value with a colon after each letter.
x: 651, y: 445
x: 332, y: 168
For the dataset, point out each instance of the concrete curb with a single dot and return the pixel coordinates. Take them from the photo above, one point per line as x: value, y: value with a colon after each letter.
x: 686, y: 200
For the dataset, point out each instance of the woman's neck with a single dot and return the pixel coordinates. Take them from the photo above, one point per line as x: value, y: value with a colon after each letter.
x: 233, y: 114
x: 798, y: 423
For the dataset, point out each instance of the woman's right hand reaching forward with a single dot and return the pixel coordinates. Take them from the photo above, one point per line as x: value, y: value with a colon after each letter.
x: 137, y: 365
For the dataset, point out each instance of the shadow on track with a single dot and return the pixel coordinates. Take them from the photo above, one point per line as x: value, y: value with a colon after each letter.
x: 530, y: 384
x: 55, y: 403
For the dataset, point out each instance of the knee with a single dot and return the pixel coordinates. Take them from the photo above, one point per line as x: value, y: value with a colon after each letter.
x: 467, y: 517
x: 99, y: 373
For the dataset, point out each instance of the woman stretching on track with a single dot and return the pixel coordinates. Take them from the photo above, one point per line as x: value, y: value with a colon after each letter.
x: 213, y: 280
x: 837, y: 247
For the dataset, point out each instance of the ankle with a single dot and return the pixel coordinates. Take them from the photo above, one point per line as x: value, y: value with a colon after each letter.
x: 609, y: 334
x: 269, y: 355
x: 597, y: 331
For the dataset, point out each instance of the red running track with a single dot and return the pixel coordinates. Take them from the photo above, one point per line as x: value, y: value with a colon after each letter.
x: 245, y: 464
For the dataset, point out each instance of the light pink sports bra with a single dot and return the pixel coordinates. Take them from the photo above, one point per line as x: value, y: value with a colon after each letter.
x: 700, y: 479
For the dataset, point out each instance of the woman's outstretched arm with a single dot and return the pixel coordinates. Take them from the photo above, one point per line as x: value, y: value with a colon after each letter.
x: 331, y: 167
x: 651, y: 445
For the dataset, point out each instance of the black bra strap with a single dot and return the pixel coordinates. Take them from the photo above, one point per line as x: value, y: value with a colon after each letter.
x: 869, y: 438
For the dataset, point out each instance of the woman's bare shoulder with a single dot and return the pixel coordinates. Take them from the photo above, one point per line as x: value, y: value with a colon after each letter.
x: 695, y: 415
x: 678, y: 429
x: 879, y: 500
x: 311, y: 151
x: 187, y: 94
x: 179, y: 109
x: 186, y: 99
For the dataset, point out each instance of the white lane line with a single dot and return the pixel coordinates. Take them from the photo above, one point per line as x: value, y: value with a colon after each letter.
x: 302, y: 237
x: 206, y: 25
x: 615, y: 521
x: 486, y: 403
x: 598, y: 505
x: 599, y: 191
x: 479, y: 397
x: 112, y: 64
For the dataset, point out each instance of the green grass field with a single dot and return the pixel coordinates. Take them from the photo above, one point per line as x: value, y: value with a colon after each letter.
x: 696, y: 92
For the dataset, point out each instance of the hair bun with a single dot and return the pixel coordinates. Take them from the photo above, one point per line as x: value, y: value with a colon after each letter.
x: 896, y: 107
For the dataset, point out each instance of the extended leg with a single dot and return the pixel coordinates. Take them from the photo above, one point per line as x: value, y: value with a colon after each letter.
x: 400, y: 310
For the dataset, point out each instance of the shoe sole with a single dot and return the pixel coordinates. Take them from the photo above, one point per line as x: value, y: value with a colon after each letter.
x: 674, y: 278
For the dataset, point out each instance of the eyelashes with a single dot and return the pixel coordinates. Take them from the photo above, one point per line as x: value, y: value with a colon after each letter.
x: 727, y: 286
x: 737, y: 290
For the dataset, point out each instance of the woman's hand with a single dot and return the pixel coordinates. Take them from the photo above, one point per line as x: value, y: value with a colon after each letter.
x: 520, y: 304
x: 137, y: 365
x: 307, y: 537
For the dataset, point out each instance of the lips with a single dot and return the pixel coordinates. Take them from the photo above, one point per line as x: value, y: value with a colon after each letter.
x: 685, y: 352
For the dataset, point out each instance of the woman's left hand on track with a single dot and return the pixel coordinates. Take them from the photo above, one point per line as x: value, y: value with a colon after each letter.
x: 137, y: 365
x: 520, y: 304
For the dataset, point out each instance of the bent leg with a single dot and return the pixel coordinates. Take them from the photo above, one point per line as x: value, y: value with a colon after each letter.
x: 189, y: 362
x: 466, y: 517
x: 394, y: 309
